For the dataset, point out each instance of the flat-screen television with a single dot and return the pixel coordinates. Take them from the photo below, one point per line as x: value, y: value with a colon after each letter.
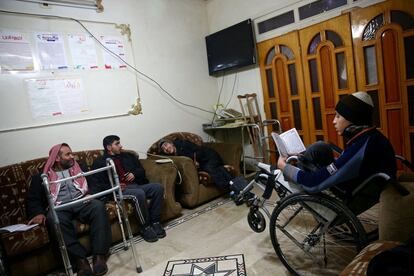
x: 231, y: 48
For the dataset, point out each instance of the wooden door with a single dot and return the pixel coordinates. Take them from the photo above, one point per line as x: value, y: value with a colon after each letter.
x: 383, y: 37
x: 282, y: 81
x: 328, y: 73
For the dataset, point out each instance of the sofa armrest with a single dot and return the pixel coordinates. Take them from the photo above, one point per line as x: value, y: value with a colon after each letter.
x: 396, y: 220
x: 230, y: 153
x: 165, y: 174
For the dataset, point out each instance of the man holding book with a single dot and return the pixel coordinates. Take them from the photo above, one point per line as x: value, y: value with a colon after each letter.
x: 353, y: 121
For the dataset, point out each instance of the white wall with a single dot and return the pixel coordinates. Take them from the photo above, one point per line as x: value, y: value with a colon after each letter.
x: 168, y: 40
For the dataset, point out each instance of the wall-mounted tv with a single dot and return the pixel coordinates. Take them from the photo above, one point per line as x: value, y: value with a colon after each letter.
x: 231, y: 48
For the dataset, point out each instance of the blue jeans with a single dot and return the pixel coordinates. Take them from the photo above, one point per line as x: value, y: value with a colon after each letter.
x: 154, y: 192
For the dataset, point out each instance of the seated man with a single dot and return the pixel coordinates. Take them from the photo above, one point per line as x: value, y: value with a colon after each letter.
x: 133, y: 182
x: 353, y: 121
x: 61, y: 164
x: 205, y: 159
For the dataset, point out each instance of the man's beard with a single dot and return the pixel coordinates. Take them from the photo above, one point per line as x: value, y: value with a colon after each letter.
x: 66, y: 164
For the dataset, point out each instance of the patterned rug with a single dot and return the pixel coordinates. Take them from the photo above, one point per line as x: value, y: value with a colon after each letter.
x: 231, y: 265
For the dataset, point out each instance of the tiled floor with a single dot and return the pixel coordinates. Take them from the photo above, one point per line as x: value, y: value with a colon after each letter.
x: 221, y: 231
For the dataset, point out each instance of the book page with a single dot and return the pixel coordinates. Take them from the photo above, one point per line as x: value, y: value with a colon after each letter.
x: 280, y: 144
x: 292, y: 141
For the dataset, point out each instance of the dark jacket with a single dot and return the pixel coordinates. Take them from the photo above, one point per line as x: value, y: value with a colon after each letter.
x: 36, y: 200
x: 379, y: 157
x: 207, y: 158
x: 100, y: 181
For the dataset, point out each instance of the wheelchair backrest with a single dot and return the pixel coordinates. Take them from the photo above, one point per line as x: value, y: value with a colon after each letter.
x: 346, y: 173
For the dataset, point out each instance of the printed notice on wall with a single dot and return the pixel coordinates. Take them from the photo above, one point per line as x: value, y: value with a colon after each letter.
x: 15, y: 52
x: 51, y: 51
x: 82, y: 49
x: 56, y: 97
x: 116, y: 47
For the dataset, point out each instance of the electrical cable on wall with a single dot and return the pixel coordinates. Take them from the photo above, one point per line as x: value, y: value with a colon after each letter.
x: 113, y: 54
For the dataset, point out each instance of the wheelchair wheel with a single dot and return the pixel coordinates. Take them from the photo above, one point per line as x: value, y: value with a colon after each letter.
x: 256, y: 220
x: 315, y: 234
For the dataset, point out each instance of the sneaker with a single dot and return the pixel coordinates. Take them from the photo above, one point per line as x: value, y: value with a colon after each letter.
x: 149, y: 235
x: 159, y: 230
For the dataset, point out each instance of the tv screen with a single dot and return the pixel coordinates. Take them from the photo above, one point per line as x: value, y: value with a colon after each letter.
x: 231, y: 48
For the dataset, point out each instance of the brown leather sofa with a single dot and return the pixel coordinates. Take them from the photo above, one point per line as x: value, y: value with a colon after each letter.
x: 196, y: 187
x: 30, y: 252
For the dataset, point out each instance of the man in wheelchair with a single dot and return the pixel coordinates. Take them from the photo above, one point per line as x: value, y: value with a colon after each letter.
x: 367, y: 152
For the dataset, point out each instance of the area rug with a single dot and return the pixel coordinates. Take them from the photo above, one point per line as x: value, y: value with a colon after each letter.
x: 230, y: 265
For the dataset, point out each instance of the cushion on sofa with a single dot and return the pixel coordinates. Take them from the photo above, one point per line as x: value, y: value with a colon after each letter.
x: 359, y: 264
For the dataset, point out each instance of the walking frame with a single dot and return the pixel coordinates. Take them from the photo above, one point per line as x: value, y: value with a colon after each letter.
x: 120, y: 210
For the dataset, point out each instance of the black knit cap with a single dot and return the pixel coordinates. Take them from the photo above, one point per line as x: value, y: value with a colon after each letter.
x: 356, y: 108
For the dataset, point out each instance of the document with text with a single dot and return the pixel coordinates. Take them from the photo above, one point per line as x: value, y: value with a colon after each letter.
x: 17, y: 227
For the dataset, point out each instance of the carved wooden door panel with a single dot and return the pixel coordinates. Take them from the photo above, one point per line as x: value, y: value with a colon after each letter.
x: 384, y: 55
x: 328, y: 73
x: 282, y: 81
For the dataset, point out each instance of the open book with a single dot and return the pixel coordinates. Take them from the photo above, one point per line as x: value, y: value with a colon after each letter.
x: 17, y: 227
x: 289, y: 142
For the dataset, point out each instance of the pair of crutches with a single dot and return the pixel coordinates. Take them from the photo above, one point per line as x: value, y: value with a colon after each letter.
x: 120, y: 209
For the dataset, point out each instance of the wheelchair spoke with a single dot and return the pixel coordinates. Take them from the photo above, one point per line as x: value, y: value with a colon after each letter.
x: 304, y: 224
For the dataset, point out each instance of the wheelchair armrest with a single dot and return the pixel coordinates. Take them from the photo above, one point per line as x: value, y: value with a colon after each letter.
x: 403, y: 191
x: 405, y: 162
x: 400, y: 188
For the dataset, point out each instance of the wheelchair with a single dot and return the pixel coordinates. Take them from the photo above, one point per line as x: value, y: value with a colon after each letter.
x: 314, y: 231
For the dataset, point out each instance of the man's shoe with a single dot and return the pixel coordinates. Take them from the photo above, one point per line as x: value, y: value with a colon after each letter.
x: 99, y: 265
x: 84, y: 269
x: 159, y: 230
x: 149, y: 235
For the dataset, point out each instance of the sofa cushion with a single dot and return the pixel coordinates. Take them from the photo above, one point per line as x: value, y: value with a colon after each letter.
x: 359, y: 264
x: 17, y: 243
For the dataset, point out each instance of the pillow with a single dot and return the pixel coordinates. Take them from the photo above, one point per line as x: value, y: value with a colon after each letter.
x: 359, y: 264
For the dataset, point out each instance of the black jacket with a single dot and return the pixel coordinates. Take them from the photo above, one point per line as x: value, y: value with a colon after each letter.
x: 100, y: 181
x: 207, y: 158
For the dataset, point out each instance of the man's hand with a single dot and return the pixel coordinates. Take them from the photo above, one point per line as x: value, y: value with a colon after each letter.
x: 123, y: 185
x: 38, y: 219
x: 281, y: 162
x: 129, y: 177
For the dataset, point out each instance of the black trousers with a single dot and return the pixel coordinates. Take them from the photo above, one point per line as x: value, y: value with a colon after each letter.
x: 92, y: 213
x: 152, y: 191
x: 219, y: 175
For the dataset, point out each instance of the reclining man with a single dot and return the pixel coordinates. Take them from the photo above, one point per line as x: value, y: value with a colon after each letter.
x: 208, y: 160
x: 133, y: 183
x: 353, y: 121
x: 61, y: 164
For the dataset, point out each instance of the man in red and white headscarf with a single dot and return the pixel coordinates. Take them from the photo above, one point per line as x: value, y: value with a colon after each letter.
x: 61, y: 164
